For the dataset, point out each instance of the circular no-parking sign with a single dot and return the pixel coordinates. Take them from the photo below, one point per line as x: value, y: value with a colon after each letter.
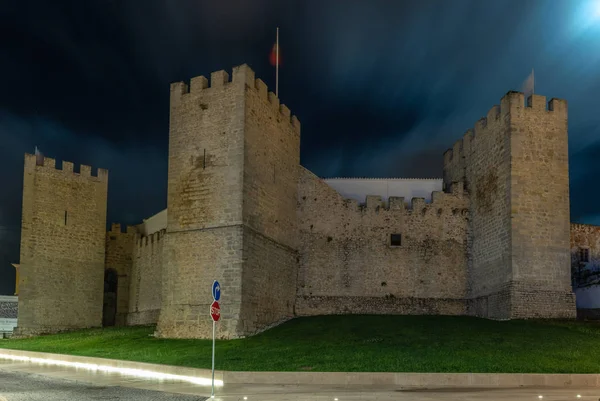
x: 215, y: 311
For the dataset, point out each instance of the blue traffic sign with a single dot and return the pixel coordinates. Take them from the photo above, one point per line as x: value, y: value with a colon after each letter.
x: 216, y: 290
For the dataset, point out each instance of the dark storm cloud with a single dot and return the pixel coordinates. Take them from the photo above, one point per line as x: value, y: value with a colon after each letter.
x: 382, y: 88
x: 584, y: 172
x: 129, y: 162
x: 391, y: 70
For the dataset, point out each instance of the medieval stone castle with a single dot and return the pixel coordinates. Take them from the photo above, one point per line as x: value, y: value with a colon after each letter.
x: 491, y: 239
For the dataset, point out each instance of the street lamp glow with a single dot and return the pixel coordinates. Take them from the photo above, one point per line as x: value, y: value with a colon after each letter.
x: 595, y: 8
x: 142, y: 373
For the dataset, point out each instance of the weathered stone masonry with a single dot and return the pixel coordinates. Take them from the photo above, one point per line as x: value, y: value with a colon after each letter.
x: 8, y: 307
x: 62, y: 247
x: 585, y: 247
x: 233, y: 160
x: 146, y: 279
x: 348, y: 265
x: 585, y: 269
x: 515, y: 166
x: 495, y: 243
x: 119, y: 247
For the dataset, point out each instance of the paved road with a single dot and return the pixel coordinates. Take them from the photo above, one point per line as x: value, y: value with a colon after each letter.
x: 27, y: 387
x: 33, y: 382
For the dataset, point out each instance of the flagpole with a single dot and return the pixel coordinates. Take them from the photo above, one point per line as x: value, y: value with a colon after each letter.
x: 532, y: 82
x: 277, y: 65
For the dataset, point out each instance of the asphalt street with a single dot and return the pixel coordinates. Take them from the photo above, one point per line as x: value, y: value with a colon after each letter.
x: 34, y: 382
x: 18, y: 386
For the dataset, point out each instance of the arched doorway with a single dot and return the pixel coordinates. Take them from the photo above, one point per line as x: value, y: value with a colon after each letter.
x: 109, y: 310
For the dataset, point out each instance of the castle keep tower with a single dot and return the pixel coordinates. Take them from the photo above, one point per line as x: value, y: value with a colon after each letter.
x: 515, y: 167
x: 62, y: 247
x: 233, y: 172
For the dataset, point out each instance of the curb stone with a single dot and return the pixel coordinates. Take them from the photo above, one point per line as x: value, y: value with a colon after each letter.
x: 403, y: 380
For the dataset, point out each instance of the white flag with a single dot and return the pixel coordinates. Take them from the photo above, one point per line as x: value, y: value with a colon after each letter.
x: 528, y: 86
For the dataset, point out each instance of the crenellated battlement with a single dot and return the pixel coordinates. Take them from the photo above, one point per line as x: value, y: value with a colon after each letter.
x: 379, y: 179
x: 442, y: 203
x: 142, y: 241
x: 579, y: 228
x: 117, y: 228
x: 242, y: 76
x: 513, y: 104
x: 33, y: 163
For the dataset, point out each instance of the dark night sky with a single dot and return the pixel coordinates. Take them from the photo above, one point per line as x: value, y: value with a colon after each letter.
x: 382, y: 88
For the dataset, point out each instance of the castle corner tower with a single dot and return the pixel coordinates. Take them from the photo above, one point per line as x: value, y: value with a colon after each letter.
x: 233, y: 165
x: 61, y: 273
x: 515, y: 167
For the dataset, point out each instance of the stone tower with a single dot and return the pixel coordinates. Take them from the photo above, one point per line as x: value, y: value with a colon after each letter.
x: 515, y: 167
x: 118, y: 264
x: 233, y: 165
x: 62, y: 247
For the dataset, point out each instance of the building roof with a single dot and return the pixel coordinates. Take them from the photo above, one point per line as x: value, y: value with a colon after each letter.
x: 153, y: 224
x: 359, y: 188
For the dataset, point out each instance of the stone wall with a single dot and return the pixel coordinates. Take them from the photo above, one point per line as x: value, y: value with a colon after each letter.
x: 119, y: 250
x: 348, y: 265
x: 146, y: 279
x: 9, y: 307
x: 540, y: 210
x: 515, y: 166
x: 62, y: 247
x: 482, y: 160
x: 585, y: 237
x: 204, y: 235
x: 268, y: 282
x: 8, y: 314
x: 271, y: 163
x: 585, y: 275
x: 186, y: 297
x: 233, y: 158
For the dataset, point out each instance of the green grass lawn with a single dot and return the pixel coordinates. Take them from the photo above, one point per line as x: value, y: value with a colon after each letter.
x: 356, y: 343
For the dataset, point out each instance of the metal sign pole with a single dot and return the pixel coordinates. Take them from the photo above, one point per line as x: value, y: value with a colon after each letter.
x: 213, y: 363
x: 215, y: 314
